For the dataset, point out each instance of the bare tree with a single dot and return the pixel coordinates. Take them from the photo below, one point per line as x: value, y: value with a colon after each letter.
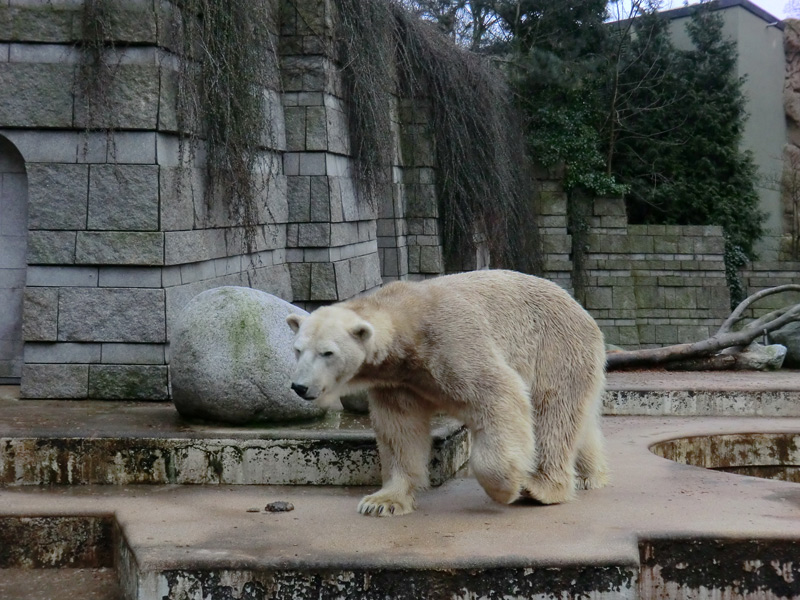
x: 470, y: 23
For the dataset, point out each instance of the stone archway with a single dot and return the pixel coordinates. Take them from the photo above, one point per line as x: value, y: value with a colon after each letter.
x: 13, y: 251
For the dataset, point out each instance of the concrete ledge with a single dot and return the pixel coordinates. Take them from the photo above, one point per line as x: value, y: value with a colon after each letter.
x: 720, y: 393
x: 660, y: 531
x: 71, y: 443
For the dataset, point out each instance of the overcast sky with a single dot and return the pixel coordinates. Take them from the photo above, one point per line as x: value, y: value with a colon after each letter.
x: 776, y: 8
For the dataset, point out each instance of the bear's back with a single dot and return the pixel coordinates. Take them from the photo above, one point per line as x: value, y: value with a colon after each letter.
x: 524, y: 315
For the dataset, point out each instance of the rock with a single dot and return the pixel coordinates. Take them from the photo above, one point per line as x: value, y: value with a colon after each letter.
x: 356, y: 403
x: 231, y: 359
x: 761, y: 358
x: 279, y: 506
x: 789, y: 336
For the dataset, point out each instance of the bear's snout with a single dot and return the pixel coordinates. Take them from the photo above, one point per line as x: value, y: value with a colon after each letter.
x: 301, y: 391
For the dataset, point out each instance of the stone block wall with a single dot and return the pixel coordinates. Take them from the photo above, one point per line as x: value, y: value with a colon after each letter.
x: 553, y: 229
x: 646, y: 285
x: 415, y: 209
x: 654, y: 285
x: 332, y: 236
x: 760, y: 275
x: 120, y: 232
x: 344, y: 239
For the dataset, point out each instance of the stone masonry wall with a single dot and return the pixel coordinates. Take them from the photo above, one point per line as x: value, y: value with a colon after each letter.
x: 340, y: 241
x: 332, y: 233
x: 646, y: 285
x: 654, y: 285
x: 121, y: 234
x: 115, y: 246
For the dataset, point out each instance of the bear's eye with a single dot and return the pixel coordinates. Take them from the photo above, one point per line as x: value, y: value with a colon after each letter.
x: 326, y: 354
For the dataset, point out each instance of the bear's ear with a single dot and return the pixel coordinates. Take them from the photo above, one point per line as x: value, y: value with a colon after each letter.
x: 362, y: 331
x: 294, y: 320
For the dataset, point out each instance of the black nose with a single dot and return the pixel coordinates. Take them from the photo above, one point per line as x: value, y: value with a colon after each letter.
x: 300, y: 390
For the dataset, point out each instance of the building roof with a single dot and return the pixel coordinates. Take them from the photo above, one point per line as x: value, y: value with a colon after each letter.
x: 686, y: 11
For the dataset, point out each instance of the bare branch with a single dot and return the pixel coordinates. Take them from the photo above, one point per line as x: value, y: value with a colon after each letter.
x: 736, y: 315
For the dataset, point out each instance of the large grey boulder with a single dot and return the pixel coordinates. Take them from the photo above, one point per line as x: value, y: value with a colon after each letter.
x: 789, y: 336
x: 231, y: 359
x: 757, y: 357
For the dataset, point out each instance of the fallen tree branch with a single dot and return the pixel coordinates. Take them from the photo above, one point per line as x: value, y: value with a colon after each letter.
x: 738, y: 312
x: 724, y: 338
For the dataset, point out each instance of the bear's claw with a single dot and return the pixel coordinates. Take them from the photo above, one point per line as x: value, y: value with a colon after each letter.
x: 549, y: 492
x: 594, y: 482
x: 384, y: 505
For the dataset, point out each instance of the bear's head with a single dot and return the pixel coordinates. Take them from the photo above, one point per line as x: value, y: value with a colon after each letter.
x: 330, y: 344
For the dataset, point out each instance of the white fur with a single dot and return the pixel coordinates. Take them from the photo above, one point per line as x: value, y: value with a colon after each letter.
x: 511, y: 355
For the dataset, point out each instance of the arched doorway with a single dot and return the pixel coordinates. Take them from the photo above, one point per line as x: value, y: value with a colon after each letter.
x: 13, y: 251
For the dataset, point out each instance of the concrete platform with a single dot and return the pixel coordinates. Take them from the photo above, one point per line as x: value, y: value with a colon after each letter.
x: 58, y: 584
x: 660, y: 530
x: 45, y: 442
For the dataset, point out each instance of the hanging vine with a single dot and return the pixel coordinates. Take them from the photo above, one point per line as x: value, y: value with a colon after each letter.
x: 483, y: 182
x: 227, y: 60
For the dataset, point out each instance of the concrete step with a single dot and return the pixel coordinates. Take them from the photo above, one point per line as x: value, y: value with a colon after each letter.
x: 46, y: 442
x: 703, y: 394
x: 59, y: 584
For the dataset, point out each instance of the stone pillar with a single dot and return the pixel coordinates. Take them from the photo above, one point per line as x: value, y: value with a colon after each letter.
x: 392, y: 224
x: 418, y: 200
x: 610, y: 293
x: 332, y: 246
x: 553, y: 227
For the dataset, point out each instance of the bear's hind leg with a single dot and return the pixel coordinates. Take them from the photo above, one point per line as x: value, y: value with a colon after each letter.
x: 402, y: 429
x: 591, y: 466
x: 503, y: 446
x: 554, y: 481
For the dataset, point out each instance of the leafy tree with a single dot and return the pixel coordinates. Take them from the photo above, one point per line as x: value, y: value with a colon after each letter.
x: 684, y: 166
x: 559, y: 72
x: 624, y: 110
x: 570, y: 29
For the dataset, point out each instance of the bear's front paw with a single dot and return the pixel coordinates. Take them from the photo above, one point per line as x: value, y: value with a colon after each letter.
x: 383, y: 504
x: 547, y: 491
x: 592, y: 482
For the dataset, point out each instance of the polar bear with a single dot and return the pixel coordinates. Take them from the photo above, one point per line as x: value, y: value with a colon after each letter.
x: 512, y: 356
